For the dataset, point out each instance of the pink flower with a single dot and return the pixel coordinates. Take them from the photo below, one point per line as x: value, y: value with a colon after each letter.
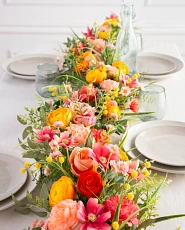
x: 47, y: 171
x: 134, y: 83
x: 94, y: 216
x: 54, y: 145
x: 111, y: 71
x: 120, y: 166
x: 87, y: 93
x: 102, y: 155
x: 44, y: 134
x: 55, y: 154
x: 108, y: 85
x: 128, y: 207
x: 37, y: 223
x: 133, y: 165
x: 113, y: 148
x: 98, y: 44
x: 125, y: 91
x: 79, y: 132
x: 83, y: 113
x: 58, y: 124
x: 124, y: 79
x: 63, y: 216
x: 89, y: 33
x: 64, y: 140
x: 134, y: 106
x: 111, y: 46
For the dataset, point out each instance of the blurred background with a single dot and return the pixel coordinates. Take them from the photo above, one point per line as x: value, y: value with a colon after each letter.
x: 32, y: 26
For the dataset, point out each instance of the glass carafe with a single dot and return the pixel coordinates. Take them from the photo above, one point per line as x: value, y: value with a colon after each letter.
x: 126, y: 45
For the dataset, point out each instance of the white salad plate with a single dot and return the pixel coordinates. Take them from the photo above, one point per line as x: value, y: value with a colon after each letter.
x: 164, y: 144
x: 25, y: 66
x: 10, y: 178
x: 29, y: 185
x: 134, y: 153
x: 158, y: 66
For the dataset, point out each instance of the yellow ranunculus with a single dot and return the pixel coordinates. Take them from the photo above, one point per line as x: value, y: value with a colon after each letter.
x: 102, y: 34
x: 62, y: 189
x: 61, y: 114
x: 111, y: 21
x: 121, y: 66
x: 112, y: 110
x: 96, y: 75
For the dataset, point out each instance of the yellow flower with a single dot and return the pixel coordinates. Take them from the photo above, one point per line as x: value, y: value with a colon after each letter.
x: 37, y: 165
x: 145, y: 172
x: 123, y: 155
x: 130, y: 196
x: 102, y: 34
x: 121, y: 66
x: 23, y: 170
x: 61, y: 160
x: 27, y: 164
x: 49, y: 159
x: 112, y: 109
x: 82, y: 66
x: 62, y: 189
x: 115, y: 225
x: 96, y: 75
x: 60, y: 98
x: 134, y: 174
x: 111, y: 21
x: 135, y: 75
x: 61, y: 114
x: 126, y: 186
x: 53, y: 94
x: 147, y: 164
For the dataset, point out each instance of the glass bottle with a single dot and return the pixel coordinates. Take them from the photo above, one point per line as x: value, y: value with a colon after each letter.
x: 126, y: 45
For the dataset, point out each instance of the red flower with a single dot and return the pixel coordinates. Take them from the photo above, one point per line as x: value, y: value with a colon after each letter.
x: 134, y: 106
x: 90, y: 183
x: 100, y: 135
x: 128, y: 207
x: 89, y: 33
x: 87, y: 93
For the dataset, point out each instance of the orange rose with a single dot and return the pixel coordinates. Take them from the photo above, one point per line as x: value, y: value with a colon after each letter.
x: 61, y: 114
x: 80, y: 160
x: 96, y: 75
x: 62, y: 189
x: 90, y: 183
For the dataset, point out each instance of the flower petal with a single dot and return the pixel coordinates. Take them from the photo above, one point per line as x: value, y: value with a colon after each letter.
x: 103, y: 217
x: 81, y: 212
x: 94, y: 207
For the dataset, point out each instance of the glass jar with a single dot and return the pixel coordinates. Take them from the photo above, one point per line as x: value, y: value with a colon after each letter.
x: 46, y: 78
x: 126, y: 45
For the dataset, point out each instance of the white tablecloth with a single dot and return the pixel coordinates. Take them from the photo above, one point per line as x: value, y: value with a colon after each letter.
x: 17, y: 93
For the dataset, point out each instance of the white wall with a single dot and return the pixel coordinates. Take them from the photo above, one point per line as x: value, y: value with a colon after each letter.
x: 28, y: 23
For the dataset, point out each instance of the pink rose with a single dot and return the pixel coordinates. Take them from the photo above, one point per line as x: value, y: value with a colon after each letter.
x: 87, y: 93
x: 80, y: 160
x: 63, y: 216
x: 79, y: 132
x: 128, y: 207
x: 108, y: 85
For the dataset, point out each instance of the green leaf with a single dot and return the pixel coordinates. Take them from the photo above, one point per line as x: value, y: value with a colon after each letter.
x: 30, y: 154
x: 31, y: 144
x: 40, y: 214
x: 145, y: 224
x: 22, y: 145
x: 37, y: 228
x: 29, y: 198
x: 26, y: 132
x: 44, y: 193
x: 21, y: 120
x: 25, y: 211
x: 121, y: 129
x: 18, y: 203
x: 163, y: 218
x: 119, y: 179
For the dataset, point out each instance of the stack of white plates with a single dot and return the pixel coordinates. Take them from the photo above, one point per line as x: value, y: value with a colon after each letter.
x: 25, y: 66
x: 158, y: 66
x: 160, y: 141
x: 12, y: 181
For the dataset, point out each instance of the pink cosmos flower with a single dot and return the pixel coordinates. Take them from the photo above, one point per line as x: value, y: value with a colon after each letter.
x: 125, y: 91
x: 83, y: 113
x: 108, y: 85
x: 44, y: 134
x: 111, y: 70
x: 94, y: 216
x: 37, y: 223
x: 128, y: 207
x: 79, y: 132
x: 63, y: 216
x: 134, y: 83
x: 64, y: 140
x: 102, y: 155
x: 87, y: 93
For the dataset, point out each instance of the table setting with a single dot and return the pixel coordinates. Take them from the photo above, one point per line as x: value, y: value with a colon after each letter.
x: 107, y: 112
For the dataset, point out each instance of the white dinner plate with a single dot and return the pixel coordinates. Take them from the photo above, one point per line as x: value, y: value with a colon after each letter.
x: 10, y: 178
x: 164, y: 144
x: 24, y: 66
x: 28, y: 186
x: 177, y: 62
x: 134, y: 153
x: 155, y: 65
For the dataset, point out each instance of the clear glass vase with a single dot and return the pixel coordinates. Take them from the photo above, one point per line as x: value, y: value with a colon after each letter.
x: 126, y: 45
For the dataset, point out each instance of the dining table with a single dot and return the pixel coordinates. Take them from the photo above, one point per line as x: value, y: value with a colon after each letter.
x: 19, y: 93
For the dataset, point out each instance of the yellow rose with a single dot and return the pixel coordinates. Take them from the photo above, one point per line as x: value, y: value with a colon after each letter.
x: 102, y: 34
x: 121, y: 66
x: 113, y: 109
x: 61, y: 114
x: 96, y: 75
x: 62, y: 189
